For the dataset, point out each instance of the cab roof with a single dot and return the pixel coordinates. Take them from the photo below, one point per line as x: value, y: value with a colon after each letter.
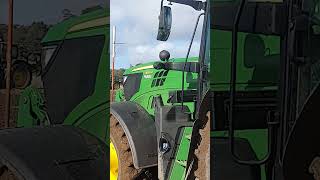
x: 88, y: 20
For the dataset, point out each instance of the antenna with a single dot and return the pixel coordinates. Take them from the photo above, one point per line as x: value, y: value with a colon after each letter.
x: 113, y: 60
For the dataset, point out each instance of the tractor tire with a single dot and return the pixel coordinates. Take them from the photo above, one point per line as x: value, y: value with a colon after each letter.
x: 7, y: 174
x: 126, y: 169
x: 51, y: 153
x: 200, y: 152
x: 21, y: 74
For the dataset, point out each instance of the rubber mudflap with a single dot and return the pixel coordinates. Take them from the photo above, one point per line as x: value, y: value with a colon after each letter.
x: 54, y: 153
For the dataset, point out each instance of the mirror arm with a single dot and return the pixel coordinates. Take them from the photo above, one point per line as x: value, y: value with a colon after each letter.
x: 197, y: 5
x: 161, y: 6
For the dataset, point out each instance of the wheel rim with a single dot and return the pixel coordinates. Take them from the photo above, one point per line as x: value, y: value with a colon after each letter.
x: 21, y: 78
x: 113, y: 162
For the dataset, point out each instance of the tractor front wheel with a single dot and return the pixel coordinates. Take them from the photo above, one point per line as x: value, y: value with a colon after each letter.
x: 121, y: 164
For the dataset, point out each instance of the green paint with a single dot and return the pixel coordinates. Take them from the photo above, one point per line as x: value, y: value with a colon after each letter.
x: 92, y: 114
x: 31, y: 100
x: 258, y: 62
x: 247, y: 80
x: 147, y: 91
x: 179, y: 168
x: 258, y: 139
x: 58, y: 31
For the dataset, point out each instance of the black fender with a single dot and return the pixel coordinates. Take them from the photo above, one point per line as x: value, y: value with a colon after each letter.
x: 54, y: 152
x: 302, y: 145
x: 140, y: 130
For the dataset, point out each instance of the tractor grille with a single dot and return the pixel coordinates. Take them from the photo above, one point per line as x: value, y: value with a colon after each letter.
x: 159, y: 78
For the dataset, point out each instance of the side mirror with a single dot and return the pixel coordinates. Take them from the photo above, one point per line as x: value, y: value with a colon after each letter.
x: 165, y: 21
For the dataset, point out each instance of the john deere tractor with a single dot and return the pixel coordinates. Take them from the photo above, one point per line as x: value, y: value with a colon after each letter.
x: 262, y: 61
x: 264, y: 88
x: 142, y: 83
x: 22, y: 69
x: 64, y: 134
x: 158, y: 126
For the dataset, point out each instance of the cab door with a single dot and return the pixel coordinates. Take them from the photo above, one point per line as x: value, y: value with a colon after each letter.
x: 301, y: 128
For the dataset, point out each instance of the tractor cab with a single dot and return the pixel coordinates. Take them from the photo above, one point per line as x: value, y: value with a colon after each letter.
x: 69, y: 124
x: 173, y: 121
x: 264, y: 61
x: 74, y: 64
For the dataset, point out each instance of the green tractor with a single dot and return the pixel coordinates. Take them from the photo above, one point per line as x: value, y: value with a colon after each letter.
x: 22, y: 68
x: 64, y: 134
x: 261, y: 87
x: 157, y: 127
x: 142, y: 83
x: 258, y: 87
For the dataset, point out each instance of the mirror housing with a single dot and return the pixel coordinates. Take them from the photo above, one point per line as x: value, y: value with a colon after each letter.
x: 165, y: 21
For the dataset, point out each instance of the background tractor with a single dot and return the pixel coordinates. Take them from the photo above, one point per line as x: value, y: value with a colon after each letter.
x: 24, y: 67
x: 63, y: 134
x: 142, y: 83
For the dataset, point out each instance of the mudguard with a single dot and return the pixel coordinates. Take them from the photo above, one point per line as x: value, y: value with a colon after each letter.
x: 54, y: 152
x: 140, y: 129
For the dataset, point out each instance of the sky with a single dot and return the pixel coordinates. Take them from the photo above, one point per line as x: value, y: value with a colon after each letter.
x: 48, y: 11
x: 136, y: 27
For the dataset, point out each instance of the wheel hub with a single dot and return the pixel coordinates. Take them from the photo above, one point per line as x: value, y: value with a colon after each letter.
x: 113, y: 162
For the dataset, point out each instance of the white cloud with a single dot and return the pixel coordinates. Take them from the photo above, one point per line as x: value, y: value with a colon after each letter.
x: 137, y: 23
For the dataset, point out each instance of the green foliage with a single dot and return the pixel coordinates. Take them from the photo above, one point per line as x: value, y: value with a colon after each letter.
x: 27, y: 37
x: 118, y: 75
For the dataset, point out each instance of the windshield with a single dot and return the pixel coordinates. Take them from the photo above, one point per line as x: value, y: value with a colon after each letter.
x: 47, y: 53
x: 70, y: 75
x: 131, y: 85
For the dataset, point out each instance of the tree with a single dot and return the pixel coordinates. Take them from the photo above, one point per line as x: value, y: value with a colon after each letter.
x: 66, y: 14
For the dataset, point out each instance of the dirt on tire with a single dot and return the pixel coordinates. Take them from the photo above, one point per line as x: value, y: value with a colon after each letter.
x: 200, y: 150
x: 6, y: 174
x: 119, y: 139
